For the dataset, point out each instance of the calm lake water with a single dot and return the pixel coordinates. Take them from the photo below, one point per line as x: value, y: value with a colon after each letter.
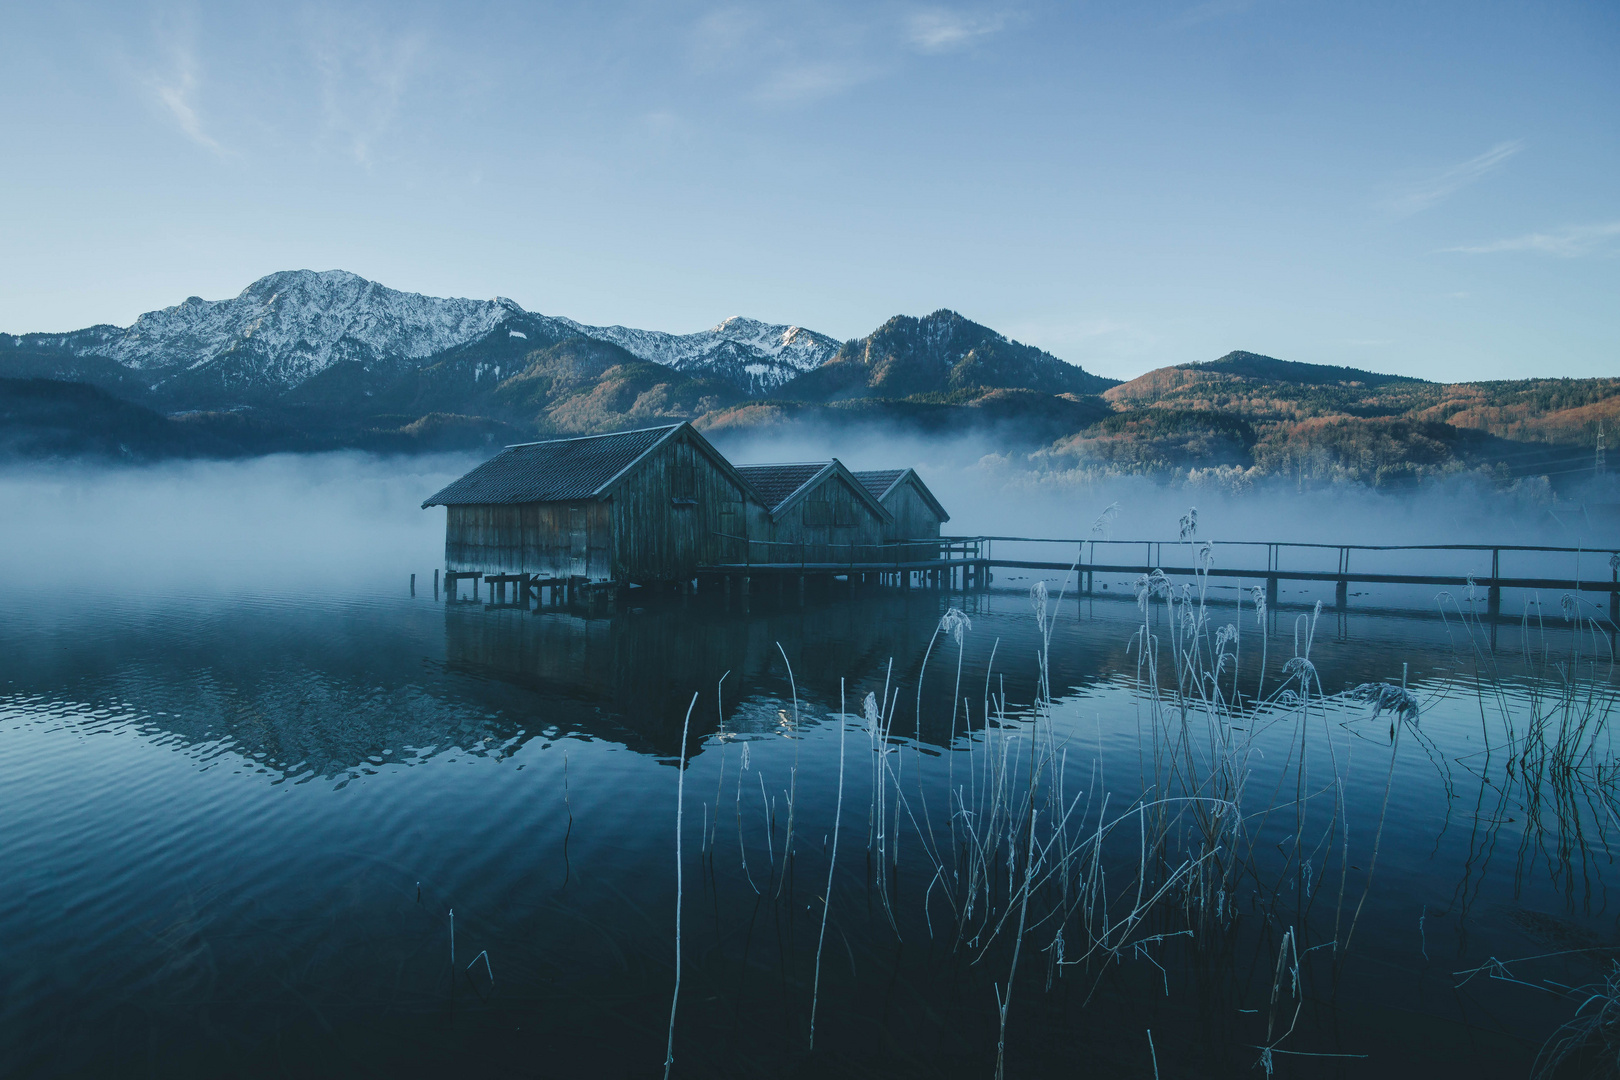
x: 235, y: 830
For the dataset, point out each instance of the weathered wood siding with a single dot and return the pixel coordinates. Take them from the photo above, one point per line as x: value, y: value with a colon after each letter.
x: 914, y: 519
x: 554, y: 539
x: 674, y: 513
x: 830, y: 524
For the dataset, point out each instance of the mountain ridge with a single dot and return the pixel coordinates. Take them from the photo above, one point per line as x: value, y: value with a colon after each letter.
x: 310, y: 361
x: 292, y: 325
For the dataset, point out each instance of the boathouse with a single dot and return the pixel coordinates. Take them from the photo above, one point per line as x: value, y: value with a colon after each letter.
x: 628, y: 507
x: 916, y: 513
x: 815, y: 512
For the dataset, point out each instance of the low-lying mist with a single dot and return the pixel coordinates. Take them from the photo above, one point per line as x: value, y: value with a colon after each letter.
x: 343, y: 521
x: 990, y: 491
x: 281, y: 523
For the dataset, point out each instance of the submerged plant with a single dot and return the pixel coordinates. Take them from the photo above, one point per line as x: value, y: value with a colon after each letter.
x: 1387, y: 697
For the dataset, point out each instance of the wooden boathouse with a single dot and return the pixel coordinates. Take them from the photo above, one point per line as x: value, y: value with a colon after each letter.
x: 642, y: 507
x: 814, y: 511
x: 916, y: 514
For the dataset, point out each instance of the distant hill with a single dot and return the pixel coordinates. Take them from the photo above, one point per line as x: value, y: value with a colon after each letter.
x: 52, y: 419
x: 1250, y: 383
x: 1322, y: 422
x: 942, y: 353
x: 47, y: 418
x: 1255, y: 366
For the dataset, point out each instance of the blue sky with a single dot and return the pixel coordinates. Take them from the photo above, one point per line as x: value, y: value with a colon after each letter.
x: 1426, y: 188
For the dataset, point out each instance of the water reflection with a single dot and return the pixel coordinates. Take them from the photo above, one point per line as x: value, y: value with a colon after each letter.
x: 339, y: 686
x: 237, y: 827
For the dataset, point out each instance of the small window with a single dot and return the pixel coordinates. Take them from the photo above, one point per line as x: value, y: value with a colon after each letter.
x: 817, y: 512
x: 844, y: 515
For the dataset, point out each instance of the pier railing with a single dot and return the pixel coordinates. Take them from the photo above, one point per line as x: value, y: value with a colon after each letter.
x: 965, y: 560
x: 1593, y: 569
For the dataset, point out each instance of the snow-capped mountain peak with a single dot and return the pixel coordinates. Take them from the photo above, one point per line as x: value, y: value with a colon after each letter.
x: 758, y: 355
x: 297, y: 323
x: 289, y: 326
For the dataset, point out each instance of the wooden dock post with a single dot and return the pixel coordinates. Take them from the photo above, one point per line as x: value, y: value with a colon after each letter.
x: 1493, y: 595
x: 435, y: 583
x: 413, y: 584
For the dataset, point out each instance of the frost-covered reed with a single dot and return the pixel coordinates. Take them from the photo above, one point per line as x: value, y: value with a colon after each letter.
x: 1035, y: 850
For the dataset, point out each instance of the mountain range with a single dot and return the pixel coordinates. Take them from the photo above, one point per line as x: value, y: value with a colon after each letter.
x: 304, y: 360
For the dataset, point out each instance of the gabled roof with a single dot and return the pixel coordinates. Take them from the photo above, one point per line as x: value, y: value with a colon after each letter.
x: 782, y: 485
x: 880, y: 482
x: 777, y: 484
x: 558, y: 470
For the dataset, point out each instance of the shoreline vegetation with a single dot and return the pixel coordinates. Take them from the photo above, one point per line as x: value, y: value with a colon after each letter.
x: 1208, y: 869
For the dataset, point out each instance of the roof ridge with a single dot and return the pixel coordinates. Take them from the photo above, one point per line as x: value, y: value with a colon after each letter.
x: 598, y: 435
x: 784, y: 464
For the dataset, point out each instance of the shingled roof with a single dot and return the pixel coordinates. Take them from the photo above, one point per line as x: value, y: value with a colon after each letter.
x: 879, y: 481
x: 882, y: 481
x: 556, y: 471
x: 777, y: 484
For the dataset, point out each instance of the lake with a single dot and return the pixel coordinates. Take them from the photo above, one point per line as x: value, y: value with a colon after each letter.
x: 238, y: 823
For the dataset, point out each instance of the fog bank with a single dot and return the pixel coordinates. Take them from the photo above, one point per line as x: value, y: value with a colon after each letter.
x: 347, y: 521
x: 278, y: 523
x: 989, y: 491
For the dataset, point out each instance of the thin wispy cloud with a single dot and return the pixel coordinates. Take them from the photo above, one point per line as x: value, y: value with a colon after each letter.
x: 721, y: 36
x: 939, y: 30
x: 1209, y: 11
x: 795, y: 83
x: 790, y: 58
x: 1419, y: 193
x: 177, y: 90
x: 365, y: 72
x: 1602, y: 238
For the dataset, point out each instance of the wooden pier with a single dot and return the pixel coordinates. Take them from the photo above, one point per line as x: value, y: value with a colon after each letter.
x: 969, y: 562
